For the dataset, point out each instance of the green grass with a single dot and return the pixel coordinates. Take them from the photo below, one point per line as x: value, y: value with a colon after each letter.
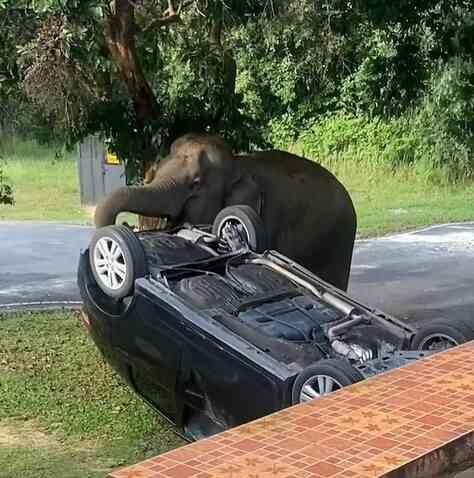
x: 63, y: 411
x: 389, y: 202
x: 45, y: 184
x: 386, y: 201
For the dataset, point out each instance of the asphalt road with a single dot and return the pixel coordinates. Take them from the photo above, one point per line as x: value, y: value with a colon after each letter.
x: 417, y: 275
x: 38, y: 263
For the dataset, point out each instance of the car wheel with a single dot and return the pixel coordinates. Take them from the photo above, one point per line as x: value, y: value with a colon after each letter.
x: 323, y: 378
x: 246, y: 222
x: 441, y: 334
x: 116, y: 258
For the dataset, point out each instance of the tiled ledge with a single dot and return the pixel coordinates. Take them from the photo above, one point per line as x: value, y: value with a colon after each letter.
x: 416, y: 421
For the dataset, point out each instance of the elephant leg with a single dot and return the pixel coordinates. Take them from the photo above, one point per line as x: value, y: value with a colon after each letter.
x: 337, y: 267
x: 333, y: 262
x: 336, y: 272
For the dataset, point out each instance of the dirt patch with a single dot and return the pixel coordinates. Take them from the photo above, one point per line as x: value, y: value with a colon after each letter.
x: 24, y: 434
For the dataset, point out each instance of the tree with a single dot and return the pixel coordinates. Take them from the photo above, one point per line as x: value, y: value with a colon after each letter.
x: 139, y: 72
x: 142, y: 72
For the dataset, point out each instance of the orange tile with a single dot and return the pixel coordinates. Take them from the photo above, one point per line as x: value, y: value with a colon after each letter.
x: 180, y: 471
x: 309, y: 422
x: 431, y: 420
x: 337, y: 443
x: 248, y: 445
x: 382, y: 443
x: 318, y: 451
x: 292, y: 444
x: 325, y: 469
x: 312, y: 436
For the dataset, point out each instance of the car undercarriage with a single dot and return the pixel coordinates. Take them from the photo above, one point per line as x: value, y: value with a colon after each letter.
x: 202, y: 322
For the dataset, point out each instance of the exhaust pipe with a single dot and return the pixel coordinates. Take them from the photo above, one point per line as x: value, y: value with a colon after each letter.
x: 353, y: 352
x: 327, y: 297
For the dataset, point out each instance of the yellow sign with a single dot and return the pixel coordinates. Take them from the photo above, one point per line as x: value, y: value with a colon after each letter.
x: 112, y: 159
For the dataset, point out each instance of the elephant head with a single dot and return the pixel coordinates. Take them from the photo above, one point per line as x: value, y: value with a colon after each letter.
x: 198, y: 178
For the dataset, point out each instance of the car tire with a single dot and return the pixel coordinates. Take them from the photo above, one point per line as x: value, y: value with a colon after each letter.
x: 117, y: 259
x: 442, y: 334
x: 248, y: 219
x: 326, y: 376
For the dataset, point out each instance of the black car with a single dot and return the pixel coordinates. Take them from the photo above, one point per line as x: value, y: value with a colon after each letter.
x: 212, y: 332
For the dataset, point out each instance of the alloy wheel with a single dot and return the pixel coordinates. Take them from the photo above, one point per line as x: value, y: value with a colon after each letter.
x: 437, y: 342
x: 318, y: 386
x: 109, y: 262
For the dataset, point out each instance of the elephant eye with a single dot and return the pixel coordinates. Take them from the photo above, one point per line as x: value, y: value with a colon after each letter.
x: 197, y: 182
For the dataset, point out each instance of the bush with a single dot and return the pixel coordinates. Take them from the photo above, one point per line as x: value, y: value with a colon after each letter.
x: 375, y: 142
x: 447, y: 118
x: 6, y: 191
x: 388, y: 80
x: 436, y: 137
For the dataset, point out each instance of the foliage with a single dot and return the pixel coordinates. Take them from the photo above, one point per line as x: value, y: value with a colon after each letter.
x: 257, y: 72
x: 290, y: 67
x: 389, y: 78
x: 140, y: 73
x: 437, y: 133
x: 447, y: 118
x: 6, y: 191
x: 375, y: 142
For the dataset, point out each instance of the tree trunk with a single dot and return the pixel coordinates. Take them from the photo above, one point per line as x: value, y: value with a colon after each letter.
x: 120, y: 37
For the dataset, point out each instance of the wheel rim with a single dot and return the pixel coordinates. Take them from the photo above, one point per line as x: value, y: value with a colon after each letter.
x: 236, y: 224
x: 318, y: 386
x: 109, y: 262
x: 437, y: 342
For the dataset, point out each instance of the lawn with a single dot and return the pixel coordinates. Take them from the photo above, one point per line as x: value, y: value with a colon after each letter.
x: 390, y: 202
x: 46, y: 188
x: 63, y: 411
x: 46, y: 184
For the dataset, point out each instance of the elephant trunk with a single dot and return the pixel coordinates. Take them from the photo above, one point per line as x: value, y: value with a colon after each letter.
x: 155, y: 200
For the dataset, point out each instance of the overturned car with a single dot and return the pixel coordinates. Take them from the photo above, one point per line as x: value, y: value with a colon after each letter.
x: 213, y: 332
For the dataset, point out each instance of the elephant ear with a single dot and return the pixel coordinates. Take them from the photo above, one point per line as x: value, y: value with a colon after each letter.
x: 245, y: 190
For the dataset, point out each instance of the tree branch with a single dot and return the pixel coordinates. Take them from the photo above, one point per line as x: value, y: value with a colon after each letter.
x: 120, y: 40
x: 170, y: 15
x: 171, y: 10
x: 215, y: 32
x: 183, y: 5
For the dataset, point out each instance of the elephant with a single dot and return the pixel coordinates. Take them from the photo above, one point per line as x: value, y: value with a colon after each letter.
x: 307, y: 213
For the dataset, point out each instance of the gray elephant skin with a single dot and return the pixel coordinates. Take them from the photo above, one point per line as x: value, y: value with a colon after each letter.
x: 307, y: 213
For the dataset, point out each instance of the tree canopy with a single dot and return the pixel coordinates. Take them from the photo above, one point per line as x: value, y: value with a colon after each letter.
x: 142, y: 72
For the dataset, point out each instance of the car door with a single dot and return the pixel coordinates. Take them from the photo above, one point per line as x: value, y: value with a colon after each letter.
x: 157, y: 357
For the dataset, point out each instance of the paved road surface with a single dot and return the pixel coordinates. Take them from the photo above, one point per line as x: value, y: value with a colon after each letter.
x: 38, y: 262
x: 420, y: 275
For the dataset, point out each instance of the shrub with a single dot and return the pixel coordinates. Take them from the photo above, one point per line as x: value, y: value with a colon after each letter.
x: 374, y: 142
x: 6, y: 191
x: 388, y: 80
x: 437, y: 137
x: 446, y: 118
